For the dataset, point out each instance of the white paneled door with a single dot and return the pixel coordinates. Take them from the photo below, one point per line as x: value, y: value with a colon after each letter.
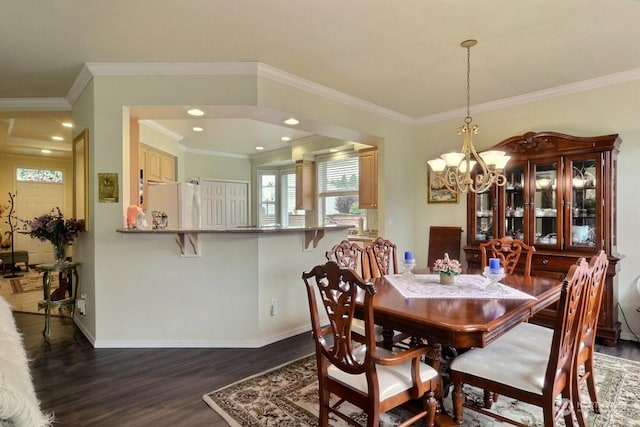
x: 32, y: 200
x: 224, y: 204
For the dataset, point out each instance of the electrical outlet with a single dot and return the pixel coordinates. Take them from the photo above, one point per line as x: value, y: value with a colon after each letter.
x: 81, y: 304
x: 274, y: 307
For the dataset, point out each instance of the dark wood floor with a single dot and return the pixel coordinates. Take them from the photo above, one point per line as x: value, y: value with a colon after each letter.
x: 84, y: 386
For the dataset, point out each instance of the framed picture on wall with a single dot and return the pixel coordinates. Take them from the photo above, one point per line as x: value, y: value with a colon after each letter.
x: 81, y: 177
x: 108, y: 187
x: 437, y: 192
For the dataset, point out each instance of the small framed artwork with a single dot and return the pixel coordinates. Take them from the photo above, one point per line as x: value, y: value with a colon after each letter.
x: 108, y: 187
x: 437, y: 192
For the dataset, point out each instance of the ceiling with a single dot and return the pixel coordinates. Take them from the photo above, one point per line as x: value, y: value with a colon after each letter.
x: 403, y: 57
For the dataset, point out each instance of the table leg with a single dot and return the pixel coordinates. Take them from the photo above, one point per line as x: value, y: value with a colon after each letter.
x: 46, y: 288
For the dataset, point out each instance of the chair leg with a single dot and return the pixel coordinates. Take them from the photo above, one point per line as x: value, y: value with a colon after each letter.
x: 591, y: 385
x: 569, y: 412
x: 458, y: 403
x: 431, y: 404
x: 323, y: 415
x: 577, y: 404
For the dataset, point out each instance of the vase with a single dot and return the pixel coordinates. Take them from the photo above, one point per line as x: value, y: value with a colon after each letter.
x: 60, y: 252
x: 447, y: 279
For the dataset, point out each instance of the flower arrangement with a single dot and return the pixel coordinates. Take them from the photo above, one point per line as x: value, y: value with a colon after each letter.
x: 53, y: 227
x: 447, y: 266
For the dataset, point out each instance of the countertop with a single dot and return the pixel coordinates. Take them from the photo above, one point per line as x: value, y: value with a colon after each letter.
x: 237, y: 230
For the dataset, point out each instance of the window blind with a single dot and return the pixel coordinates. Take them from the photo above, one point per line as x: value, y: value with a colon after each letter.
x: 337, y: 175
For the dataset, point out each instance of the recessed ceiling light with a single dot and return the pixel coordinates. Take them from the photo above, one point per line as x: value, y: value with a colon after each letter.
x: 45, y: 151
x: 197, y: 129
x: 67, y: 124
x: 57, y: 138
x: 259, y: 147
x: 291, y: 121
x: 285, y: 139
x: 195, y: 112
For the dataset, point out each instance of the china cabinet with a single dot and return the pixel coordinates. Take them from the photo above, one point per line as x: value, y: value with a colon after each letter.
x: 559, y: 196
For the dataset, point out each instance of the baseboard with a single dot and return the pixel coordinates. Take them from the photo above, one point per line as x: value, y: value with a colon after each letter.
x: 257, y: 343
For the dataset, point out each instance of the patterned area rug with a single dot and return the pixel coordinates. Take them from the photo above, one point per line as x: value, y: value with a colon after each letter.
x: 287, y: 396
x: 30, y: 282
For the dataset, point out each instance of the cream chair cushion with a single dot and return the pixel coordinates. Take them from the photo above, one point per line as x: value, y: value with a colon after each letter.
x: 507, y: 364
x: 392, y: 379
x: 530, y: 337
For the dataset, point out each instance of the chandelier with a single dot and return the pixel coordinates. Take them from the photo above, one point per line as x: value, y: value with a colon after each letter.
x: 453, y: 170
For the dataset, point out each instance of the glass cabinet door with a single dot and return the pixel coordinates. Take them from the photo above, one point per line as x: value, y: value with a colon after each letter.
x: 583, y: 195
x: 544, y: 205
x: 484, y: 216
x: 514, y: 202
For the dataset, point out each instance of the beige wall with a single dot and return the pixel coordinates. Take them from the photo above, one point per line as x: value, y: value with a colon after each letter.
x: 136, y: 280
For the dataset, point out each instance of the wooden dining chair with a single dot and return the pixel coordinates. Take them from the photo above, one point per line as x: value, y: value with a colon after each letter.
x: 352, y: 256
x: 537, y: 338
x: 443, y: 240
x: 508, y: 250
x: 383, y: 257
x: 598, y: 265
x: 349, y: 254
x: 369, y: 377
x: 537, y: 378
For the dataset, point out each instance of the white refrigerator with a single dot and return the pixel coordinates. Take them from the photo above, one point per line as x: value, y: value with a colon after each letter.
x: 179, y: 200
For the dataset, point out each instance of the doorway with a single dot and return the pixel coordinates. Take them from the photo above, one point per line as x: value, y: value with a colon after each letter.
x: 32, y: 200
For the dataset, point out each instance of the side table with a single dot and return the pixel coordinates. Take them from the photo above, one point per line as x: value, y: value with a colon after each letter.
x: 67, y: 272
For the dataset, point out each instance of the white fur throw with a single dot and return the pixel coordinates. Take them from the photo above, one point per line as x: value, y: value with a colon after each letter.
x: 19, y: 406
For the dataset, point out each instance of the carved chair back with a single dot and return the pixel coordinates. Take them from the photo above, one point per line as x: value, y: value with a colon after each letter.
x: 349, y: 255
x: 508, y: 250
x: 383, y: 257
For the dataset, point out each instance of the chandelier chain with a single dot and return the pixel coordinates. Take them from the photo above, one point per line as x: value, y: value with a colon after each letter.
x: 468, y: 118
x: 455, y: 171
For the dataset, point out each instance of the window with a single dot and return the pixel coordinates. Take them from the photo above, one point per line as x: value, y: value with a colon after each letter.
x: 338, y: 189
x: 267, y: 198
x: 291, y: 217
x: 278, y: 203
x: 39, y: 175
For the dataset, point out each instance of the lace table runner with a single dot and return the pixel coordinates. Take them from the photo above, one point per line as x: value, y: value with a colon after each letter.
x: 465, y: 286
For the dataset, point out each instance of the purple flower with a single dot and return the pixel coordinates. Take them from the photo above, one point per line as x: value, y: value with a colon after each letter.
x: 53, y: 227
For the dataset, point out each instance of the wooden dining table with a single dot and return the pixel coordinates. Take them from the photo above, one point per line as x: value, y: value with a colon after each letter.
x: 461, y: 322
x: 453, y: 324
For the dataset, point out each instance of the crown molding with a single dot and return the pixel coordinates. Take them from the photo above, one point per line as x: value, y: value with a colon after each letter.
x: 259, y: 69
x: 34, y: 104
x: 292, y: 80
x: 171, y: 68
x: 581, y: 86
x: 163, y: 130
x: 215, y: 153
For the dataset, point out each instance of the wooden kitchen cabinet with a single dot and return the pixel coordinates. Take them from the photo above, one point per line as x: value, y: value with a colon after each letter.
x: 368, y: 178
x: 159, y: 166
x: 559, y: 196
x: 305, y: 185
x: 153, y: 166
